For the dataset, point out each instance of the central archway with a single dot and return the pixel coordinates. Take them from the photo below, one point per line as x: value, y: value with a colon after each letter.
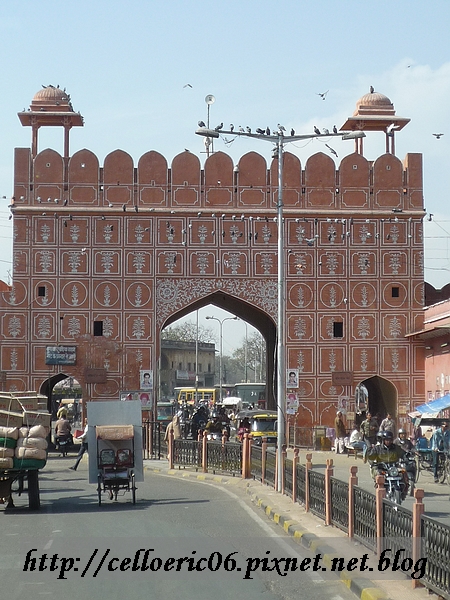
x: 245, y: 311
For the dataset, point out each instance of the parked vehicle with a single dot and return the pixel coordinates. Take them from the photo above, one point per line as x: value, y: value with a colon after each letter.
x: 165, y: 412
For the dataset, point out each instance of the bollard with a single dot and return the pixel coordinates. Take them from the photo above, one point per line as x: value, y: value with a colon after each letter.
x: 417, y: 511
x: 246, y: 456
x: 283, y: 467
x: 380, y: 493
x: 171, y: 449
x: 328, y: 475
x: 205, y: 452
x: 263, y: 459
x: 294, y: 475
x: 352, y: 482
x: 308, y: 468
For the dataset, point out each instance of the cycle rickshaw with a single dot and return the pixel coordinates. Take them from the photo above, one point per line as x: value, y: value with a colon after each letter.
x: 115, y: 461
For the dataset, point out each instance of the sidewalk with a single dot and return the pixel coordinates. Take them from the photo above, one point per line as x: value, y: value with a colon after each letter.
x: 309, y: 531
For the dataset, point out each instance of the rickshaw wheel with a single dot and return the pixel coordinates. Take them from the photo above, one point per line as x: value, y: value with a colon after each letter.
x: 133, y: 488
x: 99, y: 490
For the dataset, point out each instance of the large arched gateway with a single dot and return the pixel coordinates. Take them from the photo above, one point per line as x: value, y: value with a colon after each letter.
x: 107, y: 255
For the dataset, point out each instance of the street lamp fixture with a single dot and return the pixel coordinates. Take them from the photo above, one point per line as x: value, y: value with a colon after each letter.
x: 280, y: 139
x: 221, y: 322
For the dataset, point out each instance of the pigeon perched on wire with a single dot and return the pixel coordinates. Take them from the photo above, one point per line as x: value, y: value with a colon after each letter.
x: 281, y: 128
x: 316, y: 130
x: 267, y: 130
x: 326, y: 131
x: 231, y: 127
x: 219, y: 127
x: 292, y: 131
x: 335, y: 129
x: 260, y: 131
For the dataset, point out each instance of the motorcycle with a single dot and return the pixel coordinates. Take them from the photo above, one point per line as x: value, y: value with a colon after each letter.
x: 408, y: 462
x: 63, y: 443
x: 396, y: 481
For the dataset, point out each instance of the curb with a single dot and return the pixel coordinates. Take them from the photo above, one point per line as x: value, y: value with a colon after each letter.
x: 364, y: 588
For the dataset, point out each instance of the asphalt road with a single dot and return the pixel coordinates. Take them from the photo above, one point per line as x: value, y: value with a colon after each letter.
x: 172, y: 519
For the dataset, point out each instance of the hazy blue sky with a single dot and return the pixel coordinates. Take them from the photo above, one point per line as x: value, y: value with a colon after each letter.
x: 125, y: 65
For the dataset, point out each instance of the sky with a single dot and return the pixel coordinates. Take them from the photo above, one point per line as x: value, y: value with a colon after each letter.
x: 139, y: 73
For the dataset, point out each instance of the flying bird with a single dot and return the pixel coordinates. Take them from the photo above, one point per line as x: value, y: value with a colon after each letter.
x: 438, y: 135
x: 187, y: 85
x: 201, y: 124
x: 323, y: 95
x: 316, y: 130
x: 331, y: 150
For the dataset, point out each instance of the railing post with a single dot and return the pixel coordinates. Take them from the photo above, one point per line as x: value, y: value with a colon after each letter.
x: 328, y: 474
x: 263, y: 459
x: 417, y: 511
x: 283, y: 467
x: 171, y: 449
x: 352, y: 482
x: 308, y: 467
x: 380, y: 493
x: 244, y: 456
x: 294, y: 475
x: 205, y: 452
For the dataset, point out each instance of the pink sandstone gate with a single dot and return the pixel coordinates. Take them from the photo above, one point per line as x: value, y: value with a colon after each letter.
x: 106, y: 255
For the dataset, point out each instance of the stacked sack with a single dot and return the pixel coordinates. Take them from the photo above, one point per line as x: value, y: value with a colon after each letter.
x: 8, y: 442
x: 31, y: 448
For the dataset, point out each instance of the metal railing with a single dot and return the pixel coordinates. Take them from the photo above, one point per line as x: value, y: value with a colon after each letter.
x: 364, y: 525
x: 436, y: 548
x: 339, y: 506
x: 317, y: 493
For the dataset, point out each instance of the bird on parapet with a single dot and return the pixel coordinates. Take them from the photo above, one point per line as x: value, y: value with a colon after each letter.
x: 201, y: 124
x: 316, y: 130
x: 323, y: 95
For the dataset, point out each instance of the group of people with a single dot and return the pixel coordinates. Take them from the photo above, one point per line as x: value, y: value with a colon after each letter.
x: 63, y: 431
x: 381, y: 442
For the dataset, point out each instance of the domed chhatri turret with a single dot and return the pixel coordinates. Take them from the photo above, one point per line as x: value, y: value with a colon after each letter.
x: 375, y: 112
x: 51, y: 107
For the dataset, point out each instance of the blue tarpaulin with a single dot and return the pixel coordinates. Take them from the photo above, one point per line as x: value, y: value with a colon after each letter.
x: 434, y: 407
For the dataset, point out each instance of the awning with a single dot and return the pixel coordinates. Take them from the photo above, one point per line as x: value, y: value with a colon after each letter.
x: 434, y: 407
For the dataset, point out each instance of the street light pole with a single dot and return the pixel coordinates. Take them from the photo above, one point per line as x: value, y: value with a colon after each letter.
x: 279, y: 139
x: 221, y: 322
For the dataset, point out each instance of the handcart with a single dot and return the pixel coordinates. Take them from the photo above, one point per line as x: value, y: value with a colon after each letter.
x: 115, y: 461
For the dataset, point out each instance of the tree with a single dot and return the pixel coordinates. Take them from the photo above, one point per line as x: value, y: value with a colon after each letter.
x: 187, y: 332
x: 254, y: 358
